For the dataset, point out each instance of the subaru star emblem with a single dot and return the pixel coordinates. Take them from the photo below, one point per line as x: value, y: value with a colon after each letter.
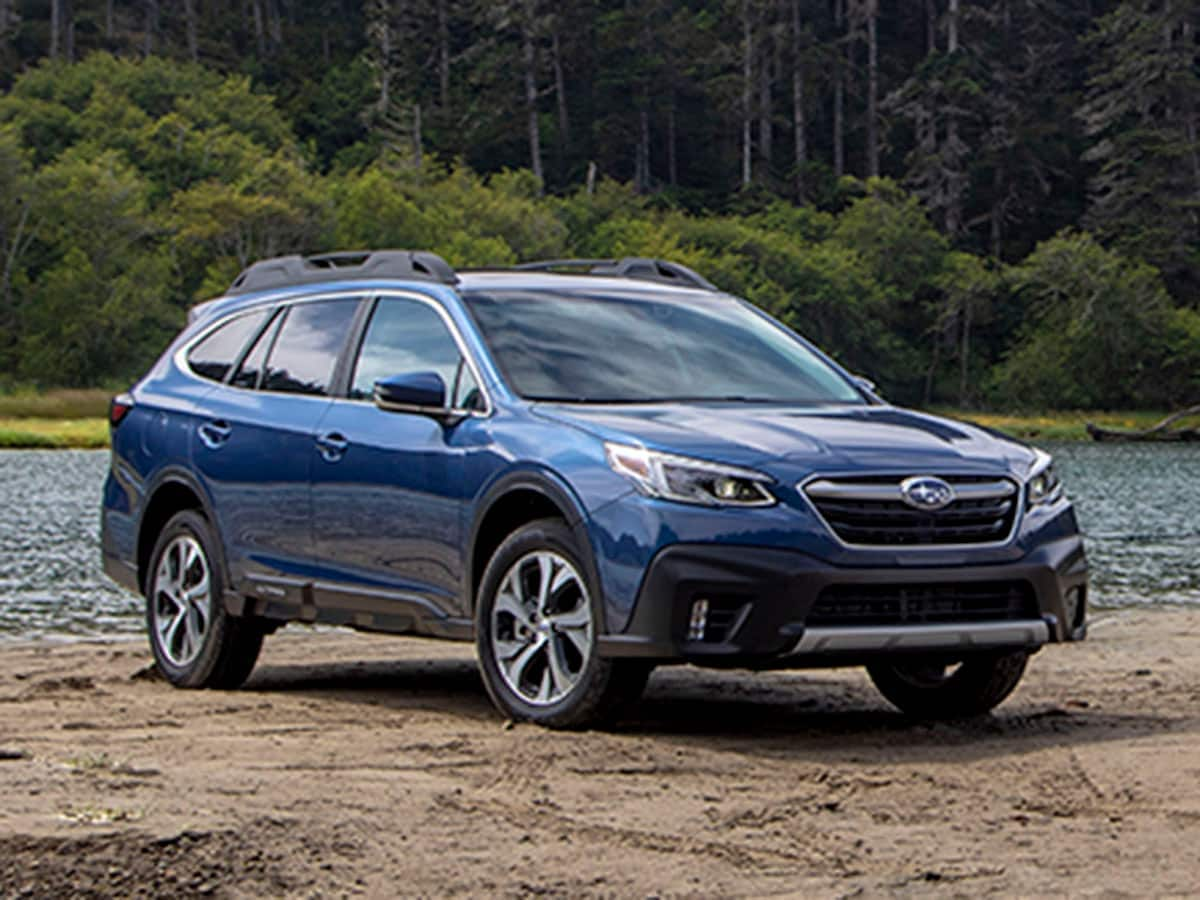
x: 927, y: 493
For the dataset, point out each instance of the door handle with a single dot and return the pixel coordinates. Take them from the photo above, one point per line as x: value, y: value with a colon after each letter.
x: 214, y: 434
x: 332, y: 446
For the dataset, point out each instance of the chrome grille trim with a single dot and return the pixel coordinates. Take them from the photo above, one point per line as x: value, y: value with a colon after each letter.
x: 900, y: 527
x: 851, y: 490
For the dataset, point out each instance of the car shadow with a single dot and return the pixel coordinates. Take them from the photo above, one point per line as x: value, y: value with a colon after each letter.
x: 453, y: 685
x: 768, y: 713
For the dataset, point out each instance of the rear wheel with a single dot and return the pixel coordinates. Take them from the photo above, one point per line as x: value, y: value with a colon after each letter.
x: 936, y: 688
x: 195, y: 641
x: 536, y: 623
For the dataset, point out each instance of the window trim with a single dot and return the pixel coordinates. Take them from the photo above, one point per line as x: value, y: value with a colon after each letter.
x: 276, y: 306
x: 339, y: 387
x: 360, y: 335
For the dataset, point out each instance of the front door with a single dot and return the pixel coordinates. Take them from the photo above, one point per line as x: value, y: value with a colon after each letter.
x: 388, y: 489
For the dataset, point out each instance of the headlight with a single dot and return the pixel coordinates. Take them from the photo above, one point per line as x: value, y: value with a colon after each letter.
x: 687, y: 480
x: 1043, y: 485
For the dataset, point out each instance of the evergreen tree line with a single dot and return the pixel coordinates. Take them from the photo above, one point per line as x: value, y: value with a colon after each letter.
x: 972, y: 202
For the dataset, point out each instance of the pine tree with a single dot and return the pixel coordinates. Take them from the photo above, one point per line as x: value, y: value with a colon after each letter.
x: 1141, y: 116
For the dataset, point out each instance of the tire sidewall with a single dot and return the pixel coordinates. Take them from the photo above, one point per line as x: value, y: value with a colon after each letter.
x: 197, y: 672
x: 552, y: 535
x: 979, y: 685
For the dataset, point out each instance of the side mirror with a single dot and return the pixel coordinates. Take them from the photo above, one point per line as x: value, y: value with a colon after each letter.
x: 415, y: 392
x: 866, y: 384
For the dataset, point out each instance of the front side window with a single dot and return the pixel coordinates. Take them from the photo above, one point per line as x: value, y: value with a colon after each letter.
x: 590, y: 348
x: 213, y: 357
x: 306, y: 351
x: 405, y: 337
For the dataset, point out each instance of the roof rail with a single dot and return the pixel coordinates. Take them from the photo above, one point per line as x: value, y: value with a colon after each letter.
x: 640, y: 267
x: 284, y: 271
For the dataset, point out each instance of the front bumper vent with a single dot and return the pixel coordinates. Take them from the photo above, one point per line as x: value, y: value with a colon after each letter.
x: 924, y: 604
x: 872, y: 512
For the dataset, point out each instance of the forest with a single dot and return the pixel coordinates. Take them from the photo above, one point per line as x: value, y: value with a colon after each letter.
x: 977, y: 203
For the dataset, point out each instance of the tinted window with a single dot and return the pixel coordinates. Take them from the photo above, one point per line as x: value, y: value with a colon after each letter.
x: 654, y: 348
x: 306, y: 351
x: 407, y: 336
x: 251, y: 368
x: 214, y: 356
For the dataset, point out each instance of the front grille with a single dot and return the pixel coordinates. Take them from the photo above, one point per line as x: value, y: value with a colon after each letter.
x: 871, y: 511
x: 913, y: 604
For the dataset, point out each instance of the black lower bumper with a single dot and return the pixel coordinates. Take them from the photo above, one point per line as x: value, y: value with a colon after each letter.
x: 764, y: 606
x: 122, y: 572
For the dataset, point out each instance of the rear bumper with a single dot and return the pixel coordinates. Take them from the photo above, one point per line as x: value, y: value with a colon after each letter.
x: 765, y: 597
x: 122, y: 572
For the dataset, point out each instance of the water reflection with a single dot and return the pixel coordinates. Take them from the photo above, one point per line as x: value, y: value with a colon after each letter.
x: 50, y: 576
x: 1139, y: 506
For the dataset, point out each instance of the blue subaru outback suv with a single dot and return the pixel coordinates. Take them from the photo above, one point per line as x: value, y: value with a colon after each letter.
x: 588, y: 467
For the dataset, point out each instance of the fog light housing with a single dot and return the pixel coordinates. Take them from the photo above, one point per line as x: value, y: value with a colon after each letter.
x: 699, y: 620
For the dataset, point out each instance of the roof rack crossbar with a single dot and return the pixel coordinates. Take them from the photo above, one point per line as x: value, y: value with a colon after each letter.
x: 639, y: 267
x: 285, y: 271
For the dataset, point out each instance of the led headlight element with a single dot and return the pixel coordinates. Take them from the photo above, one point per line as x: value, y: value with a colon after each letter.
x: 687, y: 480
x: 1043, y: 485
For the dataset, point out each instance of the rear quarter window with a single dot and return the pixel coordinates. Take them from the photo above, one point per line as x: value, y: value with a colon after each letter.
x: 214, y: 356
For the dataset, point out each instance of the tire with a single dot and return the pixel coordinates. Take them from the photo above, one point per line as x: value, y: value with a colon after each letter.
x: 931, y: 688
x: 195, y: 641
x: 537, y: 647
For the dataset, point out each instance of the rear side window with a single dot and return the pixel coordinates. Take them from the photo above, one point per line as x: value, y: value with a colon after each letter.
x: 255, y: 360
x: 213, y: 357
x: 306, y: 352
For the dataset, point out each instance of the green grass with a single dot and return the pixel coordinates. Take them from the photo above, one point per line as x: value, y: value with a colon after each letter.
x: 53, y: 433
x: 91, y: 403
x: 1065, y: 425
x: 78, y: 418
x: 75, y: 418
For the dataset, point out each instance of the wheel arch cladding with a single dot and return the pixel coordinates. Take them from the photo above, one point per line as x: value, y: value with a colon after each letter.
x: 508, y: 512
x: 169, y: 498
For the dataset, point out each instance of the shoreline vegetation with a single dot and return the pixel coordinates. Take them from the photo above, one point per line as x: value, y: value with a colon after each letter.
x: 136, y: 185
x: 76, y: 419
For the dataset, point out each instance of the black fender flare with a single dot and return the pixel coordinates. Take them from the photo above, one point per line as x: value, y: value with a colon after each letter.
x: 553, y: 488
x: 178, y: 475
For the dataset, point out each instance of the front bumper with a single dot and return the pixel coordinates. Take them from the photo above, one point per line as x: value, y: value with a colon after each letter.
x: 764, y: 597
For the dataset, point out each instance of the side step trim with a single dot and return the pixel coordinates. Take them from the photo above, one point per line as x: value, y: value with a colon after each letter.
x: 1031, y: 633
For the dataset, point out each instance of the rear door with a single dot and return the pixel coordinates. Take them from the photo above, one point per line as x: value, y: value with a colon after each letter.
x: 255, y: 446
x: 389, y: 487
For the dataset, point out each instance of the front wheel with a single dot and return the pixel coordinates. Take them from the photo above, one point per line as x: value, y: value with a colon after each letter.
x: 932, y: 688
x: 536, y: 624
x: 196, y: 642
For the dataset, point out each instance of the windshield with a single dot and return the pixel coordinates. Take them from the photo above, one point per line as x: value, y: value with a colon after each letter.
x: 575, y: 348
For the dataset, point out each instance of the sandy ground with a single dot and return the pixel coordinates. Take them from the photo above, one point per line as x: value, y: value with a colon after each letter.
x: 354, y: 764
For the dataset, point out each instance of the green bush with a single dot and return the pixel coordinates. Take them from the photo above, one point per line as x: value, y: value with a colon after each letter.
x: 130, y: 189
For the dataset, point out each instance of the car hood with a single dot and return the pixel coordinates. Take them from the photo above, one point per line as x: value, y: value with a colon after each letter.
x: 793, y: 441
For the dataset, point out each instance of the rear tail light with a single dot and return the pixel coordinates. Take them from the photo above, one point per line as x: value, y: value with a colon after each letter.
x: 118, y: 409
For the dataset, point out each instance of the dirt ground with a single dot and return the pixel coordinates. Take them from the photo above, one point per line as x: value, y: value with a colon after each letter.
x: 354, y: 764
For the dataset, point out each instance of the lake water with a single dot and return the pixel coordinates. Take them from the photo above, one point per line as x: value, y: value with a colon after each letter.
x: 1139, y: 506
